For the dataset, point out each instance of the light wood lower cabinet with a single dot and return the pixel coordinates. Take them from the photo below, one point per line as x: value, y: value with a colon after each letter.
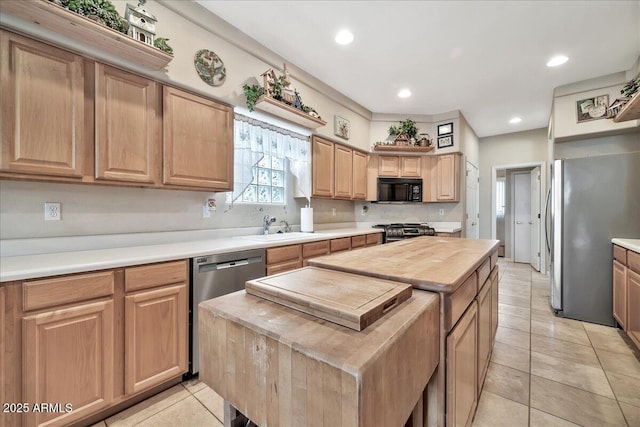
x: 67, y: 357
x: 484, y: 331
x: 633, y: 306
x: 358, y: 241
x: 156, y: 337
x: 494, y: 303
x: 461, y: 366
x: 620, y: 293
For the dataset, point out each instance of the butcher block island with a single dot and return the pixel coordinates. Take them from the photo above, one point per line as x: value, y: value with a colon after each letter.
x: 464, y: 273
x: 280, y: 366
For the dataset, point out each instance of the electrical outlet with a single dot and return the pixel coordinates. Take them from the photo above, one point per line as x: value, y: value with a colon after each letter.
x: 333, y: 211
x: 52, y: 211
x: 441, y: 212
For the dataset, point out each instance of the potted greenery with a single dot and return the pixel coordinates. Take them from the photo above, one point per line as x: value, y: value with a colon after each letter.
x: 406, y: 128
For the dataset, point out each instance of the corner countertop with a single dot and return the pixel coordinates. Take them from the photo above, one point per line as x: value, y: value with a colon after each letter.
x: 631, y: 244
x: 77, y: 257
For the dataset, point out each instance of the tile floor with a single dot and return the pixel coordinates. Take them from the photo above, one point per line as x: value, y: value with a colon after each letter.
x: 550, y: 371
x: 544, y: 371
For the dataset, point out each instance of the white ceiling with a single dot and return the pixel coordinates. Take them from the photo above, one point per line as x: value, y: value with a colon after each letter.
x: 484, y: 58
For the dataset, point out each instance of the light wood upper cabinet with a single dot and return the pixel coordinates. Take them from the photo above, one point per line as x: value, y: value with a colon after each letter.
x: 448, y: 178
x: 68, y: 357
x: 633, y: 306
x: 360, y: 161
x: 198, y: 141
x: 620, y: 293
x: 462, y: 377
x: 43, y: 106
x: 343, y: 172
x: 127, y: 123
x: 410, y: 167
x: 322, y: 167
x: 156, y: 336
x: 388, y: 166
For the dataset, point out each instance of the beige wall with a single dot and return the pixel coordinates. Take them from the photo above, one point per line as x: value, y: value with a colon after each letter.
x: 502, y: 150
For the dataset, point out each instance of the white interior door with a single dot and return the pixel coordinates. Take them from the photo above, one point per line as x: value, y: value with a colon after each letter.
x: 472, y: 196
x: 522, y: 217
x: 535, y: 218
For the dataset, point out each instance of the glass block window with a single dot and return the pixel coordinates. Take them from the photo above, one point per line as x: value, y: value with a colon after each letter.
x: 268, y: 182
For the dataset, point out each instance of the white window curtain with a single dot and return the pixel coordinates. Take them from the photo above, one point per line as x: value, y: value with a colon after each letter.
x: 500, y: 197
x: 253, y: 139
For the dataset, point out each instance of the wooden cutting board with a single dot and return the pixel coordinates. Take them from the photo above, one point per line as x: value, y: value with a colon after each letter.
x: 343, y: 298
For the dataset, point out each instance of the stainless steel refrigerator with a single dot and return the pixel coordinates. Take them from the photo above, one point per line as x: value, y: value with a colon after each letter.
x: 591, y: 200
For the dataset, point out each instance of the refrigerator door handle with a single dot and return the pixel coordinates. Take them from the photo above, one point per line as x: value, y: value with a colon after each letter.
x: 547, y: 223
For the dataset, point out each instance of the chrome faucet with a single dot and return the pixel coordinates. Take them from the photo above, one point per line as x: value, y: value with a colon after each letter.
x: 266, y: 222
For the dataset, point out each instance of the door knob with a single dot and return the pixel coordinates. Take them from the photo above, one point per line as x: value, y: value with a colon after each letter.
x: 518, y: 222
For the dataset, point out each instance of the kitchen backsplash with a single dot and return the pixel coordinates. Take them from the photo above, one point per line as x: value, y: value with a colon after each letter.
x: 410, y: 212
x: 91, y: 210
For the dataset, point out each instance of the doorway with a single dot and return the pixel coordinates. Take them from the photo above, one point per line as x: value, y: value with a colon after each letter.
x: 516, y: 215
x: 472, y: 229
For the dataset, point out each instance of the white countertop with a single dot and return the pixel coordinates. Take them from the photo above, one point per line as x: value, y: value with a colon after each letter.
x: 193, y: 244
x: 631, y: 244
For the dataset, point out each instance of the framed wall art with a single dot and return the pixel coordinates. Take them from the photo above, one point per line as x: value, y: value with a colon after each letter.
x: 445, y: 141
x: 341, y: 127
x: 445, y: 129
x: 593, y: 108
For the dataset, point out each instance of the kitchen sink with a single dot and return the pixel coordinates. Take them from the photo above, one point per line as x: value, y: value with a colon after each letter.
x: 276, y: 237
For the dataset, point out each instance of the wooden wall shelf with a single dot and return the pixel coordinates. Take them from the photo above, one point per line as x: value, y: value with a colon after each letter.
x: 402, y: 148
x: 277, y: 108
x: 66, y: 23
x: 630, y: 111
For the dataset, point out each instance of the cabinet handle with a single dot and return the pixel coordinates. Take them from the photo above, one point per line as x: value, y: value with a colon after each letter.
x: 518, y: 222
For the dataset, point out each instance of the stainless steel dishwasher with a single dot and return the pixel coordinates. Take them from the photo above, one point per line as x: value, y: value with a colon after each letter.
x: 216, y: 275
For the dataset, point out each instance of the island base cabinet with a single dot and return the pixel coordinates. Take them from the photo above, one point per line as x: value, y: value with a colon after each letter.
x: 494, y: 303
x: 484, y: 331
x: 69, y: 353
x: 462, y: 369
x: 155, y: 337
x: 633, y: 306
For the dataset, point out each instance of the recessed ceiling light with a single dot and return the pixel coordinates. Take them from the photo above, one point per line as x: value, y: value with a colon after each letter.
x: 404, y: 93
x: 344, y: 37
x: 557, y: 60
x: 515, y: 120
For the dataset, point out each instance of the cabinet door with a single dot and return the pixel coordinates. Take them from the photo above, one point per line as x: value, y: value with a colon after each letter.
x: 42, y: 117
x: 126, y: 123
x: 447, y: 179
x: 198, y: 141
x: 462, y: 376
x: 359, y: 175
x: 494, y: 303
x: 410, y: 167
x: 322, y: 168
x: 344, y: 172
x: 67, y: 357
x: 484, y: 331
x: 620, y: 293
x: 156, y: 339
x: 633, y: 306
x: 388, y: 166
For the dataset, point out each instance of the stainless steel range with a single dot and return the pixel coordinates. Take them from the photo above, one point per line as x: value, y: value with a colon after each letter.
x: 401, y: 231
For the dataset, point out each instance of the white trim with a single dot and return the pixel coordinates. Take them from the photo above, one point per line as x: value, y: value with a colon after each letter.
x: 543, y: 193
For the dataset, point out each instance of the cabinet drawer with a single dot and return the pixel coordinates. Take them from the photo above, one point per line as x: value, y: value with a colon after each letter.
x: 457, y: 302
x: 620, y: 254
x: 150, y: 276
x: 373, y: 239
x: 63, y: 290
x: 483, y: 273
x: 494, y: 258
x: 315, y: 249
x: 283, y: 253
x: 358, y: 241
x: 342, y: 244
x: 283, y: 266
x: 633, y: 261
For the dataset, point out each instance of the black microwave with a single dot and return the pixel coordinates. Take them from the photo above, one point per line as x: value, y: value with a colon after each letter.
x: 399, y: 190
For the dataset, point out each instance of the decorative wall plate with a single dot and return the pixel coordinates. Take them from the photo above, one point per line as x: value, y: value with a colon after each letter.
x: 210, y: 67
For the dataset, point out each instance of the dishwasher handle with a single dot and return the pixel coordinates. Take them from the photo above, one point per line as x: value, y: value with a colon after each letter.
x: 228, y: 264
